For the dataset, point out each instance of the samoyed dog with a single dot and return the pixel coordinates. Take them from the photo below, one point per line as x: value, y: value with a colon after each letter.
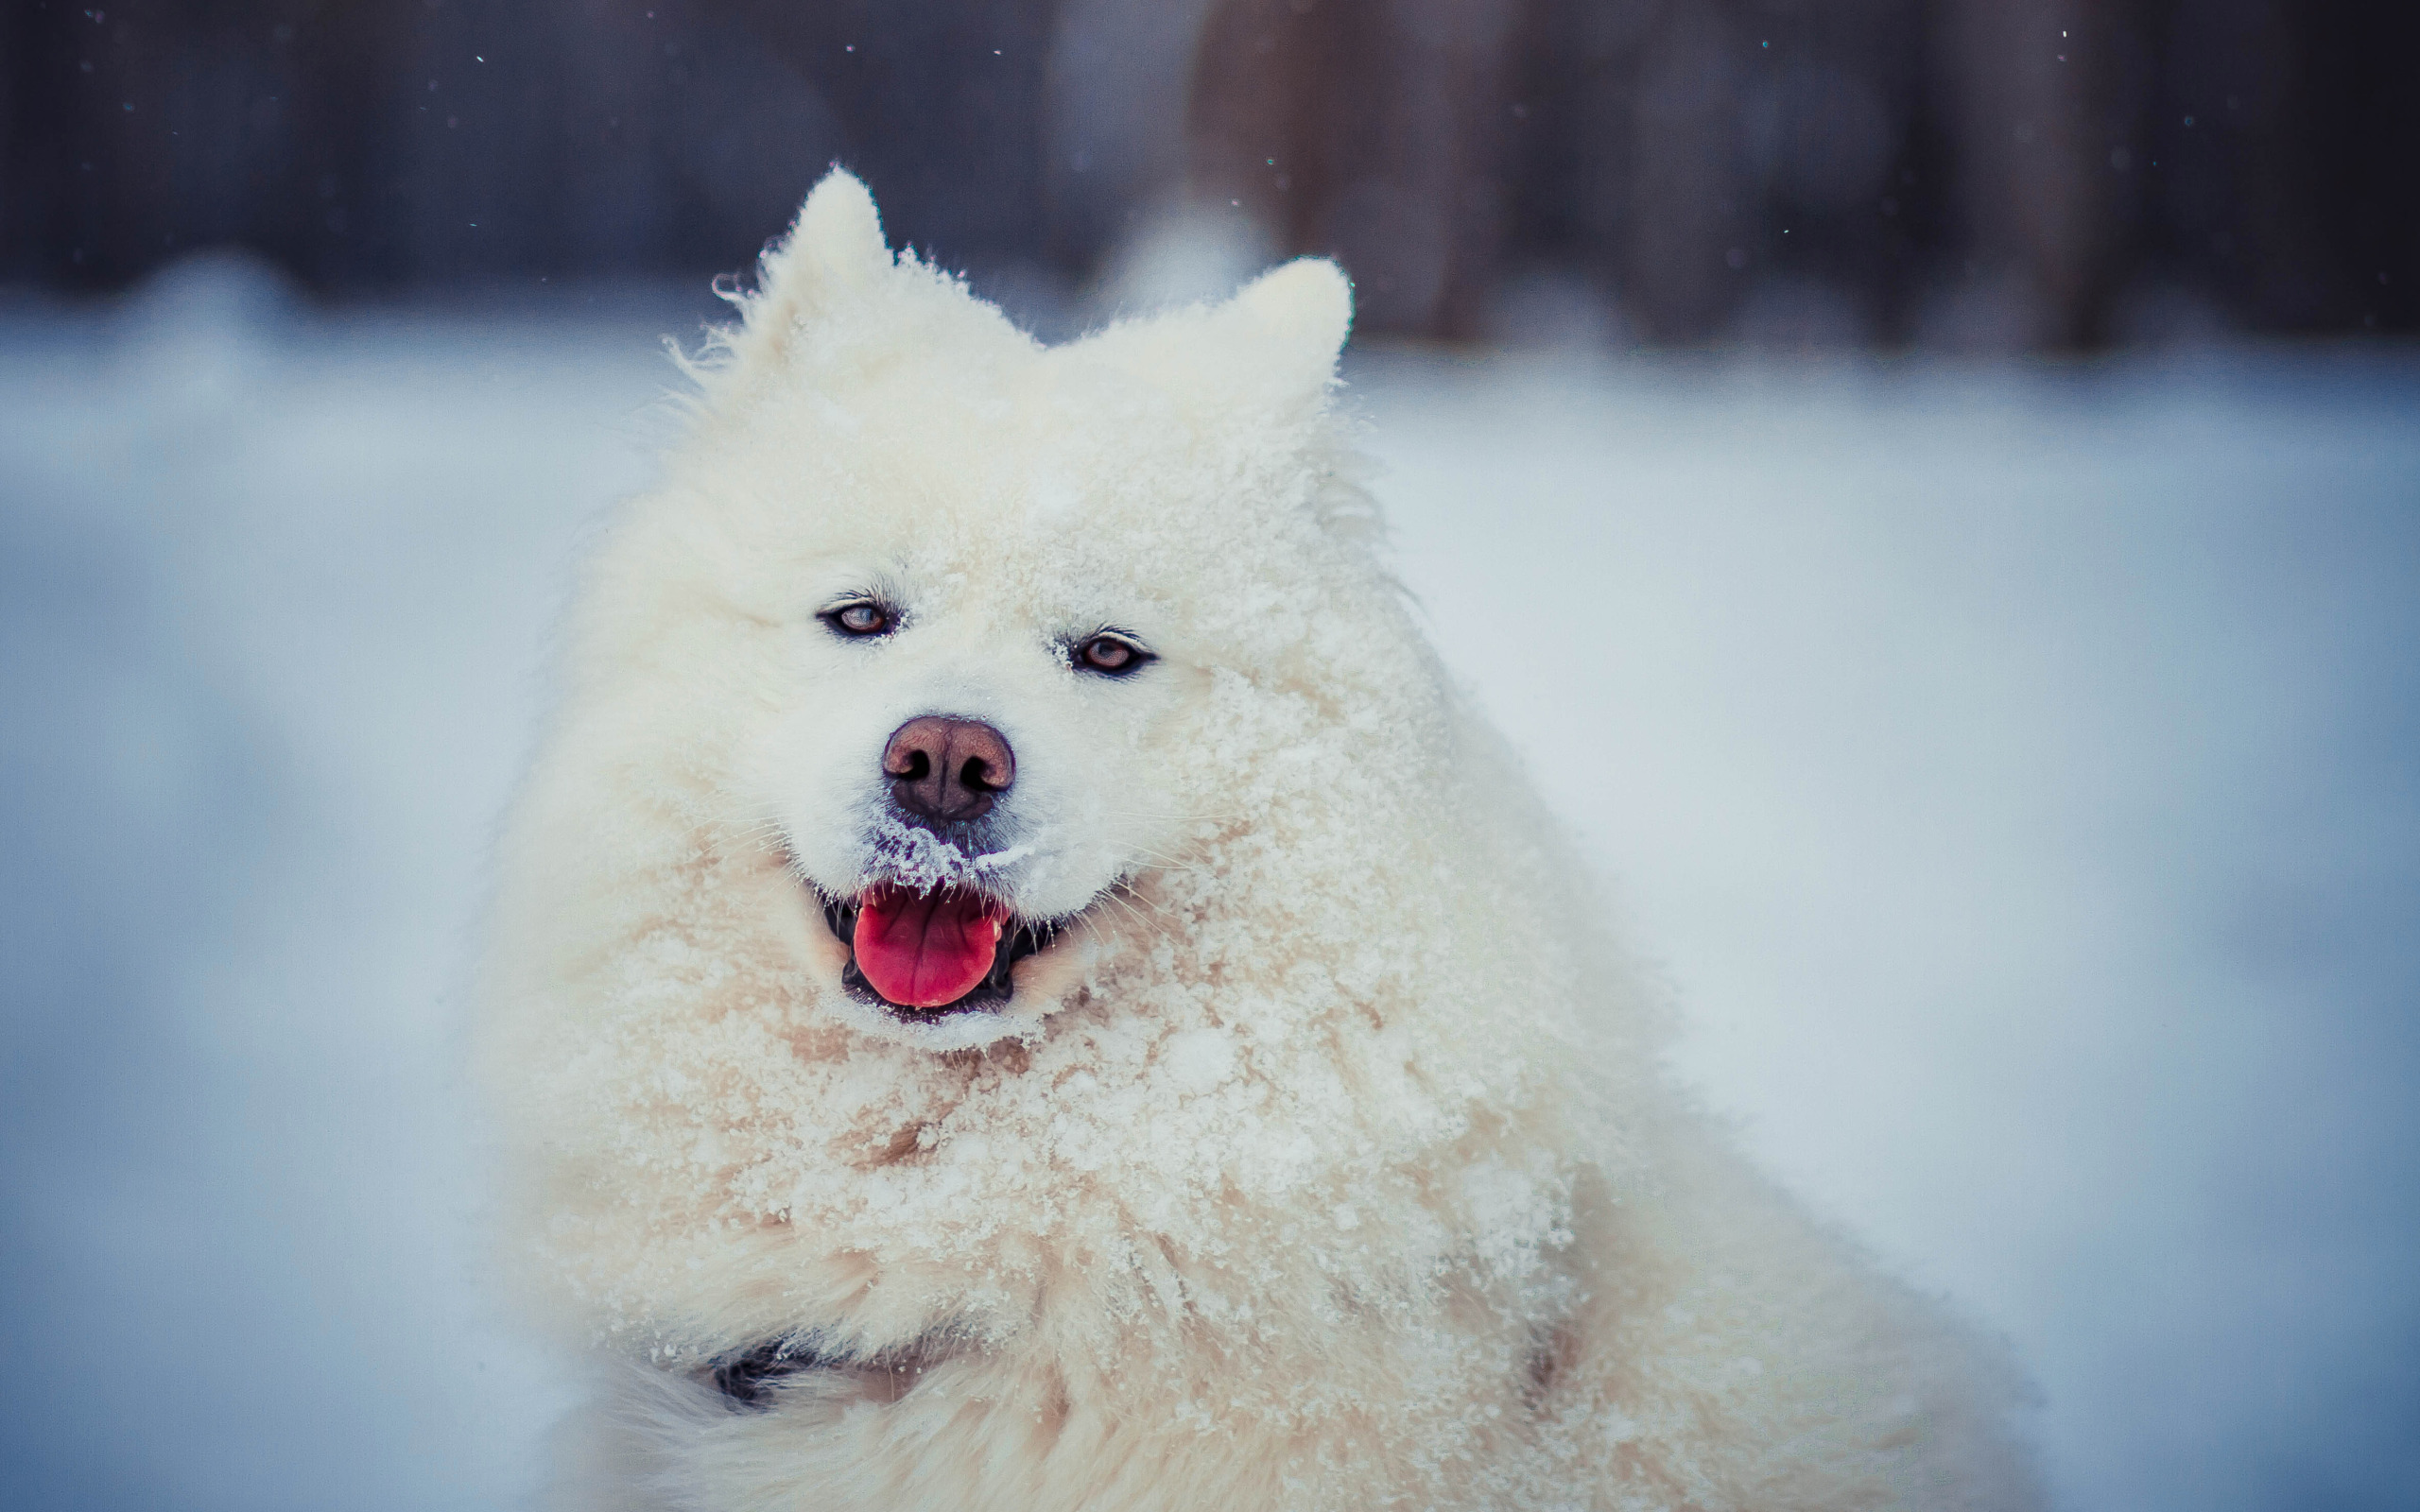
x: 1017, y: 983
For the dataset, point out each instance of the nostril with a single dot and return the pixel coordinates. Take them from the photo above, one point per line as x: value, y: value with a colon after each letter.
x: 945, y: 769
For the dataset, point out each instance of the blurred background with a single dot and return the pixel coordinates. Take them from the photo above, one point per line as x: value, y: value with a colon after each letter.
x: 1932, y: 485
x: 2007, y: 174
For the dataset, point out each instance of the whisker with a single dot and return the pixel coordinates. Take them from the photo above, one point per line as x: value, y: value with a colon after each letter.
x: 1164, y: 862
x: 1126, y: 901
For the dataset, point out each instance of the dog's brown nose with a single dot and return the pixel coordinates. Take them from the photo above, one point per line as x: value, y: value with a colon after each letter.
x: 947, y: 770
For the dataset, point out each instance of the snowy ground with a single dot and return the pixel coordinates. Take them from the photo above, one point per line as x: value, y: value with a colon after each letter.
x: 2014, y: 770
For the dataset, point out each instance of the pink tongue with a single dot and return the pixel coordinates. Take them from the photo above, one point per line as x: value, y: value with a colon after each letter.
x: 923, y: 949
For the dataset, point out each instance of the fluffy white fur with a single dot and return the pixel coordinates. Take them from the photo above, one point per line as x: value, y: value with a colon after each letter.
x: 1325, y: 1164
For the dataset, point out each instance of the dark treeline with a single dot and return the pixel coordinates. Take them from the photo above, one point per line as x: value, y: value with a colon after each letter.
x: 2002, y: 172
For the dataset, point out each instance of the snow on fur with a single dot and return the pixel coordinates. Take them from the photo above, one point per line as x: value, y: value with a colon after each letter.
x: 1324, y: 1162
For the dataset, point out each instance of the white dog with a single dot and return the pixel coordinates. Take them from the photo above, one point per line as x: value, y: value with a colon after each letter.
x: 1018, y: 983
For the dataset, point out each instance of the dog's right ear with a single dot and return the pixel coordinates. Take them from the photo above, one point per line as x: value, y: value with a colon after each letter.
x: 835, y: 251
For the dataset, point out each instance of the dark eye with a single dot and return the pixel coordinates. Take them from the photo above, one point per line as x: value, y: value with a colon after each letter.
x: 1111, y: 654
x: 862, y: 616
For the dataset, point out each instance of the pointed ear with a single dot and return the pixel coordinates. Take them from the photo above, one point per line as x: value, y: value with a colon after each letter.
x: 834, y: 250
x: 1300, y: 314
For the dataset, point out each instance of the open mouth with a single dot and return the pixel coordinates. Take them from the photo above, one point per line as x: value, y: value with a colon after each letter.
x: 924, y: 954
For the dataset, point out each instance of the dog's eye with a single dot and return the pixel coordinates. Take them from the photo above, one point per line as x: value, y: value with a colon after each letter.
x: 1113, y: 654
x: 862, y: 616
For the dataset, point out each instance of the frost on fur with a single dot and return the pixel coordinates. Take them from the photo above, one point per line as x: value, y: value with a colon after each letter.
x: 1319, y: 1160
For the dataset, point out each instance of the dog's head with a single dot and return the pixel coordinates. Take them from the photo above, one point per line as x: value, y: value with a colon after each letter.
x: 937, y: 616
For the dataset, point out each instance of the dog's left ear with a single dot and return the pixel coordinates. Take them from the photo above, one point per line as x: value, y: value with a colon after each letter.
x: 1296, y: 317
x: 835, y: 251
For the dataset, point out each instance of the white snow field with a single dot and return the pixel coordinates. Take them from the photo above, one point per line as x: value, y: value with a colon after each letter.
x: 2015, y: 770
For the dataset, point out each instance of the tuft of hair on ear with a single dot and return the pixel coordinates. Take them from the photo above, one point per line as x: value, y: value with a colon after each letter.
x: 833, y: 252
x: 1300, y: 314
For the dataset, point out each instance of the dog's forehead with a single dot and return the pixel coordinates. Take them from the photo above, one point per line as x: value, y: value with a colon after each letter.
x: 1032, y: 465
x: 1038, y: 563
x: 1054, y: 430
